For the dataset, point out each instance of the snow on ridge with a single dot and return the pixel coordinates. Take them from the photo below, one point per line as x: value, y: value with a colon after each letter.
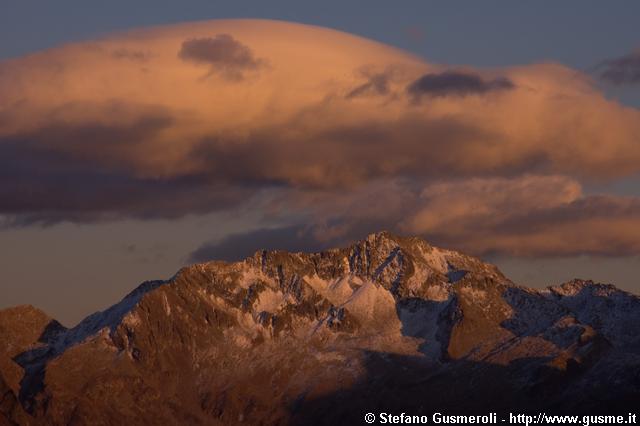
x: 109, y: 318
x: 270, y: 301
x: 613, y: 312
x: 435, y: 258
x: 365, y: 299
x: 576, y: 286
x: 336, y: 291
x: 371, y: 301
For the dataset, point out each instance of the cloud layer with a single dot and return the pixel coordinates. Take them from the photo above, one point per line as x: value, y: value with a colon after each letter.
x: 622, y: 70
x: 343, y: 134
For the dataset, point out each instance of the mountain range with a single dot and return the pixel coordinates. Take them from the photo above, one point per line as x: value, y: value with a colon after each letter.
x: 388, y: 324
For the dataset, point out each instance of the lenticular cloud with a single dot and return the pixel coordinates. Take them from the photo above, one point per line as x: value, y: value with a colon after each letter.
x: 193, y: 118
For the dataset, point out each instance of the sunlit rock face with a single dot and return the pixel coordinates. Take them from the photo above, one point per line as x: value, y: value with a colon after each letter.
x: 385, y: 324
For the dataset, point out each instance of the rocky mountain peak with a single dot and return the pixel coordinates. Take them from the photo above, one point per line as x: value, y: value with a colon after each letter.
x: 204, y: 346
x: 576, y: 286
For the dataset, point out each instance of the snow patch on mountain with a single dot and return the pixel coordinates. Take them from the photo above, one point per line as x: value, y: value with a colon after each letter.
x: 435, y: 258
x: 609, y: 310
x: 366, y: 300
x: 270, y: 301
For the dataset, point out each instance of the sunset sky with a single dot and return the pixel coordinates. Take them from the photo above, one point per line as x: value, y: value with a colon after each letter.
x: 138, y: 138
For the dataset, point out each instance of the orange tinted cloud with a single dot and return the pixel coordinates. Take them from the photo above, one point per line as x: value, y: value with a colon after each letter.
x: 527, y: 216
x: 212, y: 114
x: 299, y: 95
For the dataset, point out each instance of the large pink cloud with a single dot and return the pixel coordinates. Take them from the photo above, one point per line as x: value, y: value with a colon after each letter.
x: 192, y: 118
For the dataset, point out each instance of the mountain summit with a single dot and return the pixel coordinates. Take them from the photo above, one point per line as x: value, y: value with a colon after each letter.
x: 386, y: 324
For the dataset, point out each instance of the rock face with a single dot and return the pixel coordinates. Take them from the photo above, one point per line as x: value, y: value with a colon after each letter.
x: 389, y: 324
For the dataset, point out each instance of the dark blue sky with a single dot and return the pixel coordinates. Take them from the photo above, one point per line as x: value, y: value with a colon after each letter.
x: 577, y: 33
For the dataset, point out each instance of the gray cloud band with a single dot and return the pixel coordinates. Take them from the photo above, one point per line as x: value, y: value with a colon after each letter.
x: 624, y: 70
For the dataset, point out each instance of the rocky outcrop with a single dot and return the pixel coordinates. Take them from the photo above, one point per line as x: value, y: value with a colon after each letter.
x: 386, y: 324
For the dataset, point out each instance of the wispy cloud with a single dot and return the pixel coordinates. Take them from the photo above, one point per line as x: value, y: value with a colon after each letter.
x: 622, y: 70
